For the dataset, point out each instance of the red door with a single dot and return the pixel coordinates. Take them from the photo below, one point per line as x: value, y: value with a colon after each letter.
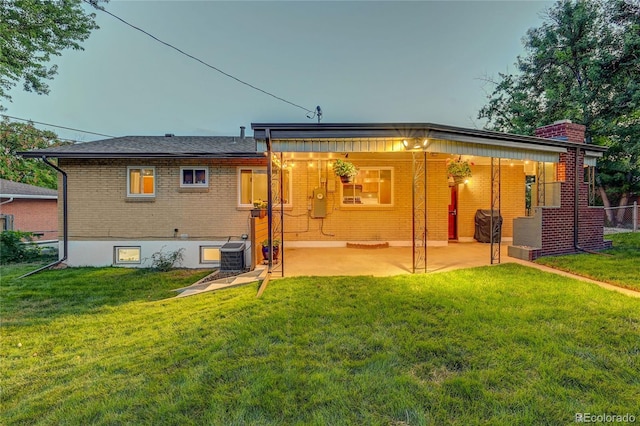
x: 453, y: 214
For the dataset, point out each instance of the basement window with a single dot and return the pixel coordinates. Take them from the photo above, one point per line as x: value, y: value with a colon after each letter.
x: 210, y: 254
x: 126, y: 255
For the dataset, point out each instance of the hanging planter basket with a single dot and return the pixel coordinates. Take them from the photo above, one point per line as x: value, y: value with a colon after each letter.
x: 456, y: 180
x: 458, y: 170
x: 260, y: 213
x: 344, y: 170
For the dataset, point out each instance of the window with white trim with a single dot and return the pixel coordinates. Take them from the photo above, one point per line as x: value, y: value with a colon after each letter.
x: 253, y: 184
x: 126, y: 255
x: 194, y: 177
x: 372, y: 186
x: 141, y: 181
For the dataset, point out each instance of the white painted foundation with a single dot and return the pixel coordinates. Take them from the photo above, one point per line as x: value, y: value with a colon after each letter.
x: 101, y: 253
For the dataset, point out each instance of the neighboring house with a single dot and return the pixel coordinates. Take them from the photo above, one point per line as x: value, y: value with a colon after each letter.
x: 132, y: 196
x: 29, y: 208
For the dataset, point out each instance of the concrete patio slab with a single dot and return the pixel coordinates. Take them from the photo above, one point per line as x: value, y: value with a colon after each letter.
x: 382, y: 261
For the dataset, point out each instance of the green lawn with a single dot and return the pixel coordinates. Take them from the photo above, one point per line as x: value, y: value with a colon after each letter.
x: 620, y: 266
x: 495, y: 345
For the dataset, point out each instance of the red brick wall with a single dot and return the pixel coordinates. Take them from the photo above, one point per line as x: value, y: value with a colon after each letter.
x: 38, y: 216
x: 558, y: 223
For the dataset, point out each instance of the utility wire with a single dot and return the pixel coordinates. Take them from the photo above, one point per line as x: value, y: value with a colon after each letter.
x: 94, y: 3
x: 73, y: 141
x: 60, y: 127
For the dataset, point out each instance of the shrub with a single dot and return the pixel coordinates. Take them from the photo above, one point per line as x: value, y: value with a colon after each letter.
x: 166, y: 261
x: 17, y: 246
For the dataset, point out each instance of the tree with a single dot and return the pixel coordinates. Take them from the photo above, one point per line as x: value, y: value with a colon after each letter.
x: 33, y: 30
x: 16, y: 137
x: 582, y: 64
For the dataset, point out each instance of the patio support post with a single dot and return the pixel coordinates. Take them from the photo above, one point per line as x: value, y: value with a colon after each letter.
x: 495, y: 208
x: 269, y: 202
x: 419, y: 210
x: 281, y: 197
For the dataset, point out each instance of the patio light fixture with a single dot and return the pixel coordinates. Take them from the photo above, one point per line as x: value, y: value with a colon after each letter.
x: 417, y: 144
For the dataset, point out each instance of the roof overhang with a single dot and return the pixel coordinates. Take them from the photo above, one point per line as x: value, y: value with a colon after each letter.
x: 389, y: 137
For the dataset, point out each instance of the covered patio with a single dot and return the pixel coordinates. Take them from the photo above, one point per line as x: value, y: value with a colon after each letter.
x: 401, y: 196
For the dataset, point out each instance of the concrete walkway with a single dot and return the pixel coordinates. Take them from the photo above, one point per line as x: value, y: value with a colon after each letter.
x: 210, y: 283
x: 625, y: 291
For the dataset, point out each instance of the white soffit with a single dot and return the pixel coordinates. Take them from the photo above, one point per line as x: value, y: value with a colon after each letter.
x: 481, y: 147
x: 333, y: 145
x: 482, y: 150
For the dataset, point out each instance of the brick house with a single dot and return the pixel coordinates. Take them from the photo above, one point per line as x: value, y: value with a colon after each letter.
x: 29, y: 208
x: 132, y: 196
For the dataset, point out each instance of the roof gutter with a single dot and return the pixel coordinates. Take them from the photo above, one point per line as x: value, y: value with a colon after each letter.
x: 28, y: 197
x: 141, y: 155
x: 65, y: 221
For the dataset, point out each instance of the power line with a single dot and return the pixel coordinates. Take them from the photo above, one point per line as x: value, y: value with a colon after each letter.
x: 94, y: 3
x: 60, y: 127
x: 14, y: 132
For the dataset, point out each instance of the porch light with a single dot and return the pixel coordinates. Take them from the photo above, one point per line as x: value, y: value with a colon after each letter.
x: 417, y: 144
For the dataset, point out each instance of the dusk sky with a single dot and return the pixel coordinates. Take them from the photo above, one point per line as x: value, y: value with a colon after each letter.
x: 360, y: 61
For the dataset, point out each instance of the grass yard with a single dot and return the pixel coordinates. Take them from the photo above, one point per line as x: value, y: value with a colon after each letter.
x: 494, y: 345
x: 621, y: 267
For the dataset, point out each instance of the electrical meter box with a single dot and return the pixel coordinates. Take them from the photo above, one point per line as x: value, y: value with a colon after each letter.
x: 319, y: 203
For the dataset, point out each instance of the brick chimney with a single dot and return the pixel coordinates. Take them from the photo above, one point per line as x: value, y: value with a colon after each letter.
x: 563, y: 130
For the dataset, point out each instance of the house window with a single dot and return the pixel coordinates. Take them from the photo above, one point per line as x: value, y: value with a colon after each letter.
x: 253, y: 186
x: 370, y: 187
x: 191, y: 177
x: 141, y: 181
x: 209, y: 254
x: 127, y: 255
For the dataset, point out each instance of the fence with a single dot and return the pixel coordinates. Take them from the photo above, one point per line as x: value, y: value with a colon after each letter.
x: 622, y: 219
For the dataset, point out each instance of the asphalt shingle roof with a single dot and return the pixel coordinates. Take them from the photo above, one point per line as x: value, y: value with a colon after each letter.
x: 22, y: 190
x: 155, y: 146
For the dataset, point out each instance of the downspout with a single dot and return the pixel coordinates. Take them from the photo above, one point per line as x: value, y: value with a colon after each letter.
x: 65, y: 221
x: 576, y: 204
x: 7, y: 201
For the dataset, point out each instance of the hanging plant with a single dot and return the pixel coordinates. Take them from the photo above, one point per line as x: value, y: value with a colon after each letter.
x: 345, y: 170
x: 459, y: 168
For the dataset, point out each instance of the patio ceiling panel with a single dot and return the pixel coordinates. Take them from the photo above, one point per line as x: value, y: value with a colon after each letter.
x: 388, y: 138
x: 483, y: 150
x: 333, y: 145
x: 547, y: 154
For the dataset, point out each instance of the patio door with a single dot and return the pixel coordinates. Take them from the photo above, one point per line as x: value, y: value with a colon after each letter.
x: 453, y: 214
